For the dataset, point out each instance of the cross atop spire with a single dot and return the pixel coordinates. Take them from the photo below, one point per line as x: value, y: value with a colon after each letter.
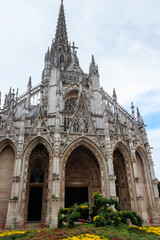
x: 74, y: 47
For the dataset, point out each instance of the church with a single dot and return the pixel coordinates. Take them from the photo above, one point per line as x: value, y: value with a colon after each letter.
x: 67, y: 138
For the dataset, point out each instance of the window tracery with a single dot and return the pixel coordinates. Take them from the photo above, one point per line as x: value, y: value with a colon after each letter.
x: 70, y: 104
x: 37, y: 175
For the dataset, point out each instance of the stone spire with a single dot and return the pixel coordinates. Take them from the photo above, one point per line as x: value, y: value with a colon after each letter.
x: 93, y: 69
x: 61, y: 50
x: 47, y: 66
x: 29, y: 86
x: 139, y: 117
x: 61, y: 32
x: 133, y: 111
x: 114, y: 96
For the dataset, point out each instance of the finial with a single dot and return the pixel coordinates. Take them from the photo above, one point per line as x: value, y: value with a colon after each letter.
x: 138, y: 113
x: 30, y: 81
x: 139, y: 117
x: 133, y: 112
x: 93, y: 61
x: 61, y: 2
x: 114, y: 95
x: 10, y: 91
x: 29, y: 86
x: 17, y: 93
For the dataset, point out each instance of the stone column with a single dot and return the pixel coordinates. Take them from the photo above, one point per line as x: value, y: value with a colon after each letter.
x: 109, y: 161
x: 55, y: 192
x: 13, y: 215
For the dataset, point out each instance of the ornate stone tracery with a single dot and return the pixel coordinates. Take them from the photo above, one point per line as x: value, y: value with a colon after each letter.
x: 70, y: 104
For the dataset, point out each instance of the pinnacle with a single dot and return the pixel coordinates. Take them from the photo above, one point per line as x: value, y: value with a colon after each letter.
x: 30, y: 81
x: 138, y: 113
x: 114, y: 95
x: 93, y: 60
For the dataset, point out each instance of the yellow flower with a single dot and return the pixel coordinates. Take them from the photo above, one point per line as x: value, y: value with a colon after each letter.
x: 7, y: 233
x: 86, y: 237
x: 155, y: 230
x: 84, y: 207
x: 94, y: 219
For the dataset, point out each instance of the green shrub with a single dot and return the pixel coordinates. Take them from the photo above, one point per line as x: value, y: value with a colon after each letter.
x: 99, y: 221
x: 104, y: 212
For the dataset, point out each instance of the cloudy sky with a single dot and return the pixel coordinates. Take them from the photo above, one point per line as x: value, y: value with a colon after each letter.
x: 123, y: 35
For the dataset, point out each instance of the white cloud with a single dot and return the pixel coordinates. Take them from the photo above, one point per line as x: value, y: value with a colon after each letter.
x: 155, y: 143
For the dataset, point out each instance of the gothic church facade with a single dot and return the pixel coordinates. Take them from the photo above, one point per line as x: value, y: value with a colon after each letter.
x: 66, y: 138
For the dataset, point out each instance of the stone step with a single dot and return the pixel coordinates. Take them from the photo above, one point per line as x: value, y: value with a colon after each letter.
x: 35, y: 225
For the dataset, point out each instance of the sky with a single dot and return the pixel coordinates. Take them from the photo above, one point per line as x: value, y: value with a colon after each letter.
x: 123, y: 35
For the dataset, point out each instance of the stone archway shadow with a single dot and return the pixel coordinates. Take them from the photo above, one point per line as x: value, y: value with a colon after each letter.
x: 86, y: 143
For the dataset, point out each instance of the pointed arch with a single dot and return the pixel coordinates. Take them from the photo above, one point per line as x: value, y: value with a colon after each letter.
x: 34, y: 161
x: 142, y: 154
x: 34, y: 142
x: 87, y: 144
x: 123, y: 148
x: 142, y: 180
x: 7, y: 163
x: 122, y: 170
x: 8, y: 142
x: 71, y: 93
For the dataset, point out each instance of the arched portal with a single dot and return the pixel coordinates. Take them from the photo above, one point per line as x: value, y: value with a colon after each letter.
x: 37, y: 183
x: 122, y: 189
x: 143, y: 190
x: 7, y: 159
x: 82, y: 177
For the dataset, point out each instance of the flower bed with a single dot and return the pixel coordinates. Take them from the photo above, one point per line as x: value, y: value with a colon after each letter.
x: 9, y: 233
x: 86, y: 232
x: 86, y: 237
x: 155, y: 230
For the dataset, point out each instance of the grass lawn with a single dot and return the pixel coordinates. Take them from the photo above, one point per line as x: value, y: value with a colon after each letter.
x: 109, y: 232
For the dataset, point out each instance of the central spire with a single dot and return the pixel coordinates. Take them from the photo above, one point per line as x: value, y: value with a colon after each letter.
x: 61, y: 51
x: 61, y: 31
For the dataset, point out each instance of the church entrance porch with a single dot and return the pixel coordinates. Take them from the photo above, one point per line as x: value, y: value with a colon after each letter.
x: 37, y: 184
x: 82, y: 177
x: 75, y: 195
